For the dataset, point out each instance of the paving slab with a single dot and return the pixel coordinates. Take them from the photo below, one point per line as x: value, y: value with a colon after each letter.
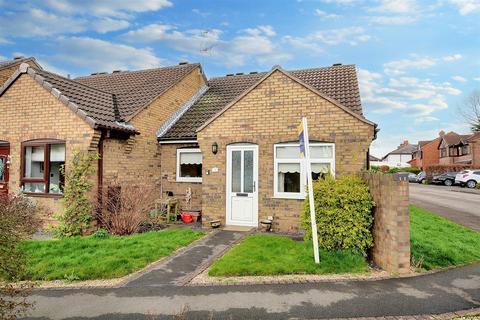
x: 180, y: 267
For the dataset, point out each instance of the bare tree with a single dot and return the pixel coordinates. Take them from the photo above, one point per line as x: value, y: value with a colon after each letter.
x: 470, y: 110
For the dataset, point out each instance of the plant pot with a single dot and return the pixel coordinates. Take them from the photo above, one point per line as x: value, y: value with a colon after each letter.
x: 195, y: 214
x: 186, y: 218
x: 266, y: 225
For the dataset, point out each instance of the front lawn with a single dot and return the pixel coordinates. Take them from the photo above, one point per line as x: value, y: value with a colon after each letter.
x: 275, y: 255
x: 84, y: 258
x: 437, y: 242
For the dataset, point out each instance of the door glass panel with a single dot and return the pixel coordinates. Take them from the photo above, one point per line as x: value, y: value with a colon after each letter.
x: 34, y: 162
x: 236, y: 171
x: 248, y: 171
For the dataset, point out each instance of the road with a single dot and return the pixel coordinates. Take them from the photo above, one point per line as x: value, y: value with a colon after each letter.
x: 441, y: 292
x: 450, y: 202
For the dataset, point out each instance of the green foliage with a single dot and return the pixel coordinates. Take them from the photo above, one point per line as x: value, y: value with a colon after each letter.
x: 376, y: 169
x: 77, y: 215
x: 343, y: 210
x: 18, y: 220
x: 101, y: 234
x: 87, y: 258
x: 430, y: 245
x: 274, y: 255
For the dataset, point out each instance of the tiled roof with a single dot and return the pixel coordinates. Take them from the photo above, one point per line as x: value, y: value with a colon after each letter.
x: 404, y: 149
x: 107, y: 100
x: 337, y: 82
x: 136, y: 89
x: 453, y: 138
x: 474, y: 137
x: 18, y: 61
x: 422, y: 143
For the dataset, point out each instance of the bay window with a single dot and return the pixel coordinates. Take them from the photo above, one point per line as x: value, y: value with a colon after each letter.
x: 41, y: 164
x: 189, y: 165
x: 289, y: 172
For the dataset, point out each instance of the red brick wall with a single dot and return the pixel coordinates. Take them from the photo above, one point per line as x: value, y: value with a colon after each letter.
x: 431, y: 154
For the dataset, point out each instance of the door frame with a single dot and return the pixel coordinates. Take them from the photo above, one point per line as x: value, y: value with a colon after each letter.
x: 6, y: 146
x: 228, y: 193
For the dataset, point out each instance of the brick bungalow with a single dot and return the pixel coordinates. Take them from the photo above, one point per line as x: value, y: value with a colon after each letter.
x: 45, y: 117
x: 7, y: 68
x: 236, y: 145
x: 231, y: 141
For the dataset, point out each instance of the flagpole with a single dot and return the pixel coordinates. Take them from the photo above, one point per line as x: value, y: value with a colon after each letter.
x: 310, y: 191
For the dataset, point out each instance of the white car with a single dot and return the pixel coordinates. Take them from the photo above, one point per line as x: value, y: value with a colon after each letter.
x: 468, y: 178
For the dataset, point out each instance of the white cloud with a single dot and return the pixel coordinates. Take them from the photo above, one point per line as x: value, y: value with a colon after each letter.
x: 400, y: 66
x: 459, y: 79
x: 99, y: 55
x: 323, y: 14
x: 341, y: 2
x: 453, y: 57
x: 466, y: 7
x: 329, y: 37
x: 476, y: 79
x: 251, y: 43
x: 36, y: 22
x: 108, y: 8
x: 393, y: 20
x: 397, y: 6
x: 108, y: 24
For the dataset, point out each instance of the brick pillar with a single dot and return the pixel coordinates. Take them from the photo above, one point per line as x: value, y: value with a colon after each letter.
x: 391, y: 226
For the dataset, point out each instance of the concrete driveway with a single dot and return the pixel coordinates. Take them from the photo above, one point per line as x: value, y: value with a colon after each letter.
x: 453, y: 203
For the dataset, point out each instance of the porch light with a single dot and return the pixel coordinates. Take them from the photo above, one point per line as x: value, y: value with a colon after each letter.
x: 214, y: 148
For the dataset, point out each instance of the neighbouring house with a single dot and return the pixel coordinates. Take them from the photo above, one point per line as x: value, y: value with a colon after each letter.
x: 45, y: 117
x: 374, y: 161
x: 236, y: 145
x: 400, y: 157
x: 231, y: 141
x: 474, y: 143
x: 454, y: 148
x: 426, y: 154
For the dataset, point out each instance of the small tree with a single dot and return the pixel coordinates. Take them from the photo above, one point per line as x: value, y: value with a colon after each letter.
x: 78, y: 213
x: 470, y: 110
x: 18, y: 220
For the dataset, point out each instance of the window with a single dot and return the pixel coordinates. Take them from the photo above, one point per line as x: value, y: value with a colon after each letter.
x: 290, y: 179
x: 465, y: 150
x: 41, y: 164
x: 189, y: 165
x: 443, y: 152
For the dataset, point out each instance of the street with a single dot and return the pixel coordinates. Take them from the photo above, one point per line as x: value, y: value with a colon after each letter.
x: 450, y: 202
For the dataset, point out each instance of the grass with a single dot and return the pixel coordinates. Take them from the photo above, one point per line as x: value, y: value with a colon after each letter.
x: 437, y: 242
x: 85, y: 258
x: 275, y: 255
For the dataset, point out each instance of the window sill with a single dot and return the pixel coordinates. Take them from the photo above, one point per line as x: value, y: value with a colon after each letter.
x: 43, y: 195
x: 190, y: 180
x: 289, y: 196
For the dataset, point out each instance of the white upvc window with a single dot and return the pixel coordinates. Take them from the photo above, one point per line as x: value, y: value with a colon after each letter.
x: 189, y: 165
x: 289, y: 172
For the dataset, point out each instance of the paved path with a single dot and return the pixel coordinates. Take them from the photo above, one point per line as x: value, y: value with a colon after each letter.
x: 461, y: 207
x: 181, y: 267
x: 441, y: 292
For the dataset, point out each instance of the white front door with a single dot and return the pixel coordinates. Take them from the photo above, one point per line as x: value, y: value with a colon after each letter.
x: 242, y: 186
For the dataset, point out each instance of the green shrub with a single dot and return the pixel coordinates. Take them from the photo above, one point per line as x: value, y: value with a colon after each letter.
x: 101, y: 234
x: 77, y: 215
x: 343, y: 210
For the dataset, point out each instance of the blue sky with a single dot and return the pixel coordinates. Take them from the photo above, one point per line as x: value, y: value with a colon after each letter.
x: 417, y: 60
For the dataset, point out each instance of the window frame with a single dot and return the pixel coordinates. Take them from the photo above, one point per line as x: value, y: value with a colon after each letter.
x: 45, y: 143
x: 178, y: 178
x: 303, y: 181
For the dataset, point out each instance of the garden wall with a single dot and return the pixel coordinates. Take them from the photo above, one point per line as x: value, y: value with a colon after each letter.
x: 391, y: 226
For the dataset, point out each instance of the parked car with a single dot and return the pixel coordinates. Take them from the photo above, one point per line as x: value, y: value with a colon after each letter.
x: 446, y: 178
x: 468, y: 178
x: 412, y: 177
x: 421, y: 177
